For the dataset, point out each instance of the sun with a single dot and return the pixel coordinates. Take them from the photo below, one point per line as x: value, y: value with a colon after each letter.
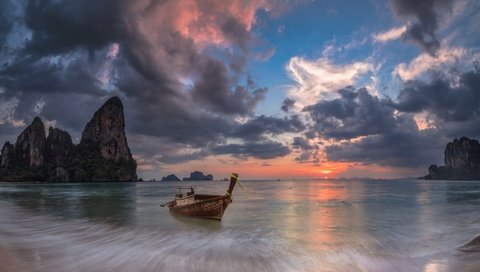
x: 330, y: 169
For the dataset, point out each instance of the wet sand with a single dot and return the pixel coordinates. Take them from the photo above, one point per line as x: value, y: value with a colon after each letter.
x: 9, y: 262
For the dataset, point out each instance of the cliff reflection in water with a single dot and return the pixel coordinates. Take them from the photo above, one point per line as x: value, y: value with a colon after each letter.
x: 100, y: 202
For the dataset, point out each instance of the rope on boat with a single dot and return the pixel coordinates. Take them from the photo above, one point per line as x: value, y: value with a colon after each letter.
x: 243, y: 189
x: 241, y: 186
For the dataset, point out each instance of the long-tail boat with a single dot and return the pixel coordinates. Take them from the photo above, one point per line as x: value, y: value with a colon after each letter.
x: 202, y: 206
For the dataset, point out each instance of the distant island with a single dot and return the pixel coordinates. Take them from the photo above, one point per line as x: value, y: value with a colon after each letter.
x: 462, y: 161
x: 102, y: 154
x: 197, y: 175
x: 194, y: 176
x: 171, y: 177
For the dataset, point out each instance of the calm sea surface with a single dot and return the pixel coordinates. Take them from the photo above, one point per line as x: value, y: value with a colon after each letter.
x: 404, y: 225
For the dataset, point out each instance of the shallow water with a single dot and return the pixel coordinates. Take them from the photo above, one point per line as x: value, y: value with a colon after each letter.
x: 404, y: 225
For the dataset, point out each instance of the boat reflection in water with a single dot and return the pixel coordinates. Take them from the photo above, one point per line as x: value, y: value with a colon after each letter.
x: 202, y: 206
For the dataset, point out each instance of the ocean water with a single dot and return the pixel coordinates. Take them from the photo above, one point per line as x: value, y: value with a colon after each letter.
x: 401, y: 225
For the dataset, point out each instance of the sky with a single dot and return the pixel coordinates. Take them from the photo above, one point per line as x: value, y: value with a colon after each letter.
x: 265, y: 88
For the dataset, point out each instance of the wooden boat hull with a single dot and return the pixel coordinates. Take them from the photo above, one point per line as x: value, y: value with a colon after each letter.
x: 205, y: 206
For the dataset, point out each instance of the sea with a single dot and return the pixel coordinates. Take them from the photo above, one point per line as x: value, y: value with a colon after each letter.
x: 287, y: 225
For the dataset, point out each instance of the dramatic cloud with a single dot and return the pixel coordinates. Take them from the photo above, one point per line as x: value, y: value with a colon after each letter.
x: 70, y: 74
x: 261, y: 150
x: 389, y: 35
x: 59, y: 27
x: 367, y: 130
x: 403, y: 147
x: 443, y: 60
x: 182, y: 70
x: 423, y: 17
x: 156, y: 55
x: 449, y: 103
x: 263, y: 125
x: 385, y: 132
x: 213, y: 88
x: 354, y: 114
x: 318, y: 78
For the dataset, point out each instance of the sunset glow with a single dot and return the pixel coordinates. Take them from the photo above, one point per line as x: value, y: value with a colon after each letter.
x: 272, y: 89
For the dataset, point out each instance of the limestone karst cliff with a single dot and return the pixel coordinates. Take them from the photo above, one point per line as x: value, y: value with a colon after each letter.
x: 102, y: 155
x: 30, y: 145
x: 462, y: 161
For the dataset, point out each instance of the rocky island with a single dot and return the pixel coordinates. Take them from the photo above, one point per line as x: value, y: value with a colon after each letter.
x: 102, y: 154
x: 171, y: 177
x: 462, y: 161
x: 197, y: 175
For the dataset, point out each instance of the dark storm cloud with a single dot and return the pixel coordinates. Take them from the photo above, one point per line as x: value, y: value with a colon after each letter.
x: 261, y: 150
x: 449, y: 102
x: 67, y: 86
x: 48, y: 64
x: 258, y: 127
x: 390, y: 135
x: 355, y: 113
x: 64, y: 63
x: 174, y: 156
x: 76, y: 75
x: 61, y: 26
x: 287, y: 104
x: 179, y: 117
x: 6, y: 21
x: 426, y: 15
x: 404, y: 146
x: 8, y: 132
x: 214, y: 89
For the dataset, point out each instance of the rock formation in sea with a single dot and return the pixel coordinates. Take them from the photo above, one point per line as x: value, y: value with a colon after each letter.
x: 462, y: 161
x: 104, y: 139
x: 197, y: 175
x: 102, y: 155
x: 106, y: 131
x: 171, y: 177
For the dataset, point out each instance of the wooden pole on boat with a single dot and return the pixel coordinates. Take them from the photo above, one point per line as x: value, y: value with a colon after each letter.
x: 233, y: 180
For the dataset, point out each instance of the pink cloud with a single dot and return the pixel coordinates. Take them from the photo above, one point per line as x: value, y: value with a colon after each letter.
x: 202, y: 21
